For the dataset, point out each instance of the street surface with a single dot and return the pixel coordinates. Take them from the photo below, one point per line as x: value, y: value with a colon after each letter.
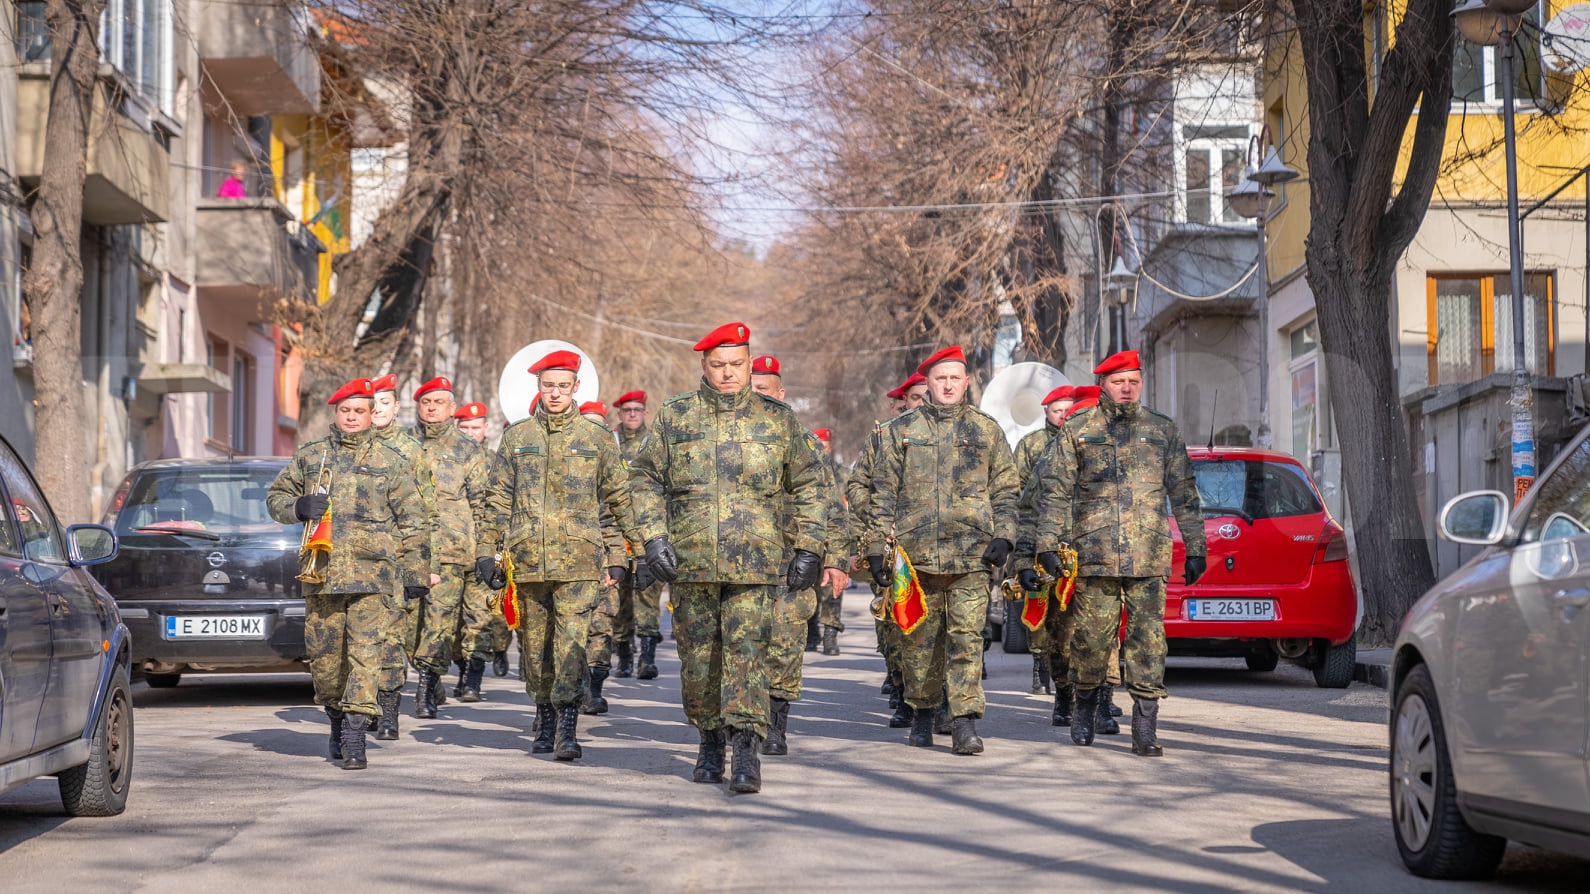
x: 1267, y: 784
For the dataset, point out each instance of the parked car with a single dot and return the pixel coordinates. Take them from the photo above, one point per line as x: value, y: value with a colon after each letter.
x: 206, y: 579
x: 1490, y: 714
x: 65, y: 703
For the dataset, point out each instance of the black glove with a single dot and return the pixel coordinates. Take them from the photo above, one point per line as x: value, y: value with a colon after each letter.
x: 1194, y: 568
x: 416, y: 592
x: 997, y: 552
x: 880, y: 574
x: 617, y: 573
x: 663, y: 560
x: 643, y: 576
x: 499, y: 578
x: 311, y: 506
x: 485, y: 570
x: 1028, y: 580
x: 1051, y: 563
x: 805, y: 569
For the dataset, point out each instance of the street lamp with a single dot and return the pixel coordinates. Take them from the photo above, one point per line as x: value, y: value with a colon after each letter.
x: 1494, y: 23
x: 1251, y: 199
x: 1121, y: 282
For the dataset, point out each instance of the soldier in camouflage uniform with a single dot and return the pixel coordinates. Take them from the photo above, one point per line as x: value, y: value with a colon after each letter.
x: 379, y: 545
x: 466, y: 532
x: 830, y: 599
x: 713, y: 478
x: 395, y: 663
x: 565, y: 471
x: 1028, y: 450
x: 1105, y: 486
x: 945, y: 490
x: 639, y: 599
x: 481, y: 631
x: 599, y: 640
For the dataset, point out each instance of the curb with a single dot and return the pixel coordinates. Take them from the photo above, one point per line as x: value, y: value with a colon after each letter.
x: 1372, y: 674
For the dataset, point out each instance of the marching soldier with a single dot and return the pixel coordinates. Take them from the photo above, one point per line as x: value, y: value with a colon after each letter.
x: 599, y: 641
x: 712, y: 481
x: 395, y: 665
x: 639, y: 602
x: 465, y: 534
x: 379, y: 545
x: 481, y: 631
x: 566, y: 472
x: 945, y: 491
x: 1028, y: 449
x: 830, y: 597
x: 1105, y: 485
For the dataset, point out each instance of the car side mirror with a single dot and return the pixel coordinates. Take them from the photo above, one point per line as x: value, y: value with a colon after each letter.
x: 90, y: 544
x: 1478, y: 518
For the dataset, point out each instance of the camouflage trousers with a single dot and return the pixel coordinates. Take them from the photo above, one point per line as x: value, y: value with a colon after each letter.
x: 639, y: 613
x: 723, y: 631
x: 433, y: 622
x: 346, y: 637
x: 604, y: 622
x: 394, y: 628
x: 554, y: 626
x: 1053, y: 637
x: 473, y: 638
x: 889, y: 640
x: 786, y: 647
x: 946, y: 650
x: 498, y: 633
x: 1098, y: 603
x: 829, y: 606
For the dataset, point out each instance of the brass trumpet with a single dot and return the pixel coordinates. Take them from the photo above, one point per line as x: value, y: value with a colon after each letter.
x: 314, y: 549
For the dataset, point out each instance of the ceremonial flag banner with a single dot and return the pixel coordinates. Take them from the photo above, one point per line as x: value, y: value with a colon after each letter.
x: 510, y: 595
x: 1035, y: 608
x: 909, y: 605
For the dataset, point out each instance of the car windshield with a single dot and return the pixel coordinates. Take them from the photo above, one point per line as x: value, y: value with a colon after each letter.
x: 1258, y: 488
x: 217, y: 499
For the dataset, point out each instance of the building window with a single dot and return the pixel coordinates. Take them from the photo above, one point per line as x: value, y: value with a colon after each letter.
x: 1213, y: 161
x: 219, y: 417
x: 135, y: 36
x: 1307, y: 393
x: 1477, y: 71
x: 1470, y: 320
x: 242, y: 401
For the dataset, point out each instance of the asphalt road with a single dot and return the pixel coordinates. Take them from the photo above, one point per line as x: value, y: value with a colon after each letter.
x: 1267, y: 784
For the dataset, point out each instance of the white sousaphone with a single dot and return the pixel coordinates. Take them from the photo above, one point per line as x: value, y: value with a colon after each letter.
x: 1015, y: 397
x: 517, y: 387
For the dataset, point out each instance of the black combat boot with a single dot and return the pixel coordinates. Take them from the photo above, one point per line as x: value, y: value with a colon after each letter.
x: 336, y: 733
x: 499, y: 663
x: 903, y: 714
x: 830, y: 640
x: 921, y: 728
x: 1040, y: 674
x: 648, y: 657
x: 747, y: 779
x: 566, y: 747
x: 545, y: 725
x: 777, y: 741
x: 463, y: 678
x: 386, y: 728
x: 941, y: 717
x: 591, y: 701
x: 470, y: 691
x: 1062, y: 705
x: 814, y: 637
x: 963, y: 731
x: 353, y: 727
x: 709, y: 759
x: 438, y: 690
x: 1106, y: 724
x: 425, y: 695
x: 626, y: 658
x: 1145, y: 727
x: 1083, y: 713
x: 889, y: 688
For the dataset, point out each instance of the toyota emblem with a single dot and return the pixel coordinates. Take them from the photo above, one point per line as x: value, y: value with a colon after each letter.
x: 1229, y: 531
x: 216, y: 560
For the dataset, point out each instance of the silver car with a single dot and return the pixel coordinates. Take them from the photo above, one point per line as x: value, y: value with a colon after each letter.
x: 1490, y: 713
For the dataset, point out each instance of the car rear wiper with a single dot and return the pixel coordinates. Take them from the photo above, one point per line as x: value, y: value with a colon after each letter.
x: 179, y: 532
x: 1229, y: 510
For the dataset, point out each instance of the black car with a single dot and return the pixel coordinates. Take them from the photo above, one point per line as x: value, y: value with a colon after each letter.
x: 65, y: 707
x: 206, y: 579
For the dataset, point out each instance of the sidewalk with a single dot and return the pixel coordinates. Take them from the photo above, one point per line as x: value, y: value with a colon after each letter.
x: 1373, y: 667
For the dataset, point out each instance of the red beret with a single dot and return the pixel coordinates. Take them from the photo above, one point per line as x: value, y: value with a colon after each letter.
x: 1064, y: 392
x: 355, y: 388
x: 910, y: 382
x: 952, y: 353
x: 630, y: 397
x: 1087, y: 396
x: 766, y: 365
x: 387, y: 382
x: 440, y: 383
x: 556, y: 360
x: 727, y: 335
x: 594, y: 406
x: 471, y: 411
x: 533, y: 401
x: 823, y: 434
x: 1121, y: 362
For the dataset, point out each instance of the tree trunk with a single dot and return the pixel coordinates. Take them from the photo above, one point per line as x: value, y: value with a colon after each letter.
x: 54, y: 280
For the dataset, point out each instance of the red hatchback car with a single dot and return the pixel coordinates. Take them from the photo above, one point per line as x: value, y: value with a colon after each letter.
x: 1278, y: 585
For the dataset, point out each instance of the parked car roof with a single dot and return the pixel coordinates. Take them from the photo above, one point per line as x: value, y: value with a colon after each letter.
x: 183, y: 463
x: 1273, y: 456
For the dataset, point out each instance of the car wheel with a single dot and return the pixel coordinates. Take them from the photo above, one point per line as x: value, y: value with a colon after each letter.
x: 1015, y: 635
x: 1263, y: 660
x: 162, y: 681
x: 99, y: 787
x: 1334, y: 668
x: 1432, y: 835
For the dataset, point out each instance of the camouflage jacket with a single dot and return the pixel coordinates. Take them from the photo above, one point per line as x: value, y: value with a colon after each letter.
x: 565, y: 472
x: 380, y: 534
x: 1030, y: 451
x: 836, y: 546
x: 629, y: 443
x: 858, y: 490
x: 715, y: 476
x: 944, y: 486
x: 1104, y: 485
x: 468, y: 512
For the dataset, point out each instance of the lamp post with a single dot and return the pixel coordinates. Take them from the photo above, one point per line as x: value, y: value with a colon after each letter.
x: 1251, y: 199
x: 1120, y: 280
x: 1494, y: 23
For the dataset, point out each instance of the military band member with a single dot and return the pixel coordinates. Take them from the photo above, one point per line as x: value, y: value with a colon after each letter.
x: 599, y: 642
x: 1050, y: 642
x: 395, y: 664
x: 714, y: 477
x: 481, y: 631
x: 379, y: 546
x: 639, y: 599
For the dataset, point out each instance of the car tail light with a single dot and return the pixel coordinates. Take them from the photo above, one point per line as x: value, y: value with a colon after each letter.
x: 1332, y: 545
x: 117, y: 502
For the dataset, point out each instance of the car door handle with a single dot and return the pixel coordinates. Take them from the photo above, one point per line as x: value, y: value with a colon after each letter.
x: 1572, y: 598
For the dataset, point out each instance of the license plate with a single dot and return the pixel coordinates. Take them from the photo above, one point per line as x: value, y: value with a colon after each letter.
x: 1231, y: 609
x: 215, y: 626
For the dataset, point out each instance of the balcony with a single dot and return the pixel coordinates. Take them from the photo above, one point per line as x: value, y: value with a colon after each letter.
x: 252, y: 250
x: 129, y: 164
x: 256, y: 54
